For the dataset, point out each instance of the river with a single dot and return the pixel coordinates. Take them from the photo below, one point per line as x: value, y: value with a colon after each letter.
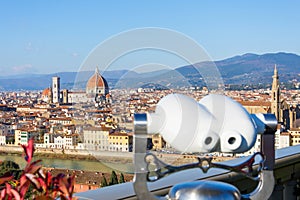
x: 74, y: 164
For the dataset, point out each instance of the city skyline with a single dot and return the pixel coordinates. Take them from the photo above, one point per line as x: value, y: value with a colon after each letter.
x: 55, y: 36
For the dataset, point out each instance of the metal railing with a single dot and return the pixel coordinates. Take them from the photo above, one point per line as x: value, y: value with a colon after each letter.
x: 286, y: 172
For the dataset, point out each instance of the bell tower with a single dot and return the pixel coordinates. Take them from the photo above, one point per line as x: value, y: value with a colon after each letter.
x: 275, y: 101
x: 55, y: 89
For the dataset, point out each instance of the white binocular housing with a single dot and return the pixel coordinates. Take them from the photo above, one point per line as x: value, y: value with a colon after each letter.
x: 216, y: 123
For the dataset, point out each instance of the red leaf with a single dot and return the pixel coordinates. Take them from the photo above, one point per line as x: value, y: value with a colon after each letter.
x: 32, y: 168
x: 34, y: 180
x: 8, y: 188
x: 48, y: 178
x: 63, y: 186
x: 6, y: 177
x: 3, y: 193
x: 23, y: 190
x: 66, y: 186
x: 23, y: 180
x: 15, y: 194
x: 42, y: 183
x: 71, y: 181
x: 28, y: 149
x: 41, y: 173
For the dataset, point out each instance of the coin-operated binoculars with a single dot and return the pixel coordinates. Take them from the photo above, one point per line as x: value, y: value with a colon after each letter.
x: 215, y: 124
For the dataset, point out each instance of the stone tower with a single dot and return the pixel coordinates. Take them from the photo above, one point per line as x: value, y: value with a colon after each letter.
x: 55, y: 89
x: 275, y: 101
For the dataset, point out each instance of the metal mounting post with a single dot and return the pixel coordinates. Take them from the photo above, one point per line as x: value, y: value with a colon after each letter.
x: 267, y: 147
x: 268, y: 141
x: 139, y: 149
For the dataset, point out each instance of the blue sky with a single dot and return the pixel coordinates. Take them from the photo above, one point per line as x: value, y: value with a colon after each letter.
x: 53, y: 36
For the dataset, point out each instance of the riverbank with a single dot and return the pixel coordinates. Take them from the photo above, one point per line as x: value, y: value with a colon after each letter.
x: 52, y: 156
x: 71, y: 154
x: 102, y: 156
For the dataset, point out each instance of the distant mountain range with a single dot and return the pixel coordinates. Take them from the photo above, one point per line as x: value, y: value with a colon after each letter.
x: 244, y: 69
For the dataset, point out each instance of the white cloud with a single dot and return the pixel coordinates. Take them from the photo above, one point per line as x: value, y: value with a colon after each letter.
x: 75, y: 54
x: 17, y: 69
x: 30, y: 47
x: 22, y: 68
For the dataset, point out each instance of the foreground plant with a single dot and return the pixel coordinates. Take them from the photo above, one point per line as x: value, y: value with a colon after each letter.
x: 34, y: 183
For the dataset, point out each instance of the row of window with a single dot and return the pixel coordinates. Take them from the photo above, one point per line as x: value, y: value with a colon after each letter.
x: 118, y: 137
x: 94, y: 142
x: 296, y: 141
x: 96, y: 136
x: 97, y: 147
x: 295, y: 132
x: 117, y: 143
x: 117, y: 149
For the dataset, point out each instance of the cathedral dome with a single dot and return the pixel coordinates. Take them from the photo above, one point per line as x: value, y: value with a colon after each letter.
x: 46, y: 92
x: 47, y: 95
x: 97, y: 84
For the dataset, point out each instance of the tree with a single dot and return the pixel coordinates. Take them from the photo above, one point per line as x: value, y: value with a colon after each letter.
x: 103, y: 182
x: 8, y: 166
x: 113, y: 178
x: 122, y: 180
